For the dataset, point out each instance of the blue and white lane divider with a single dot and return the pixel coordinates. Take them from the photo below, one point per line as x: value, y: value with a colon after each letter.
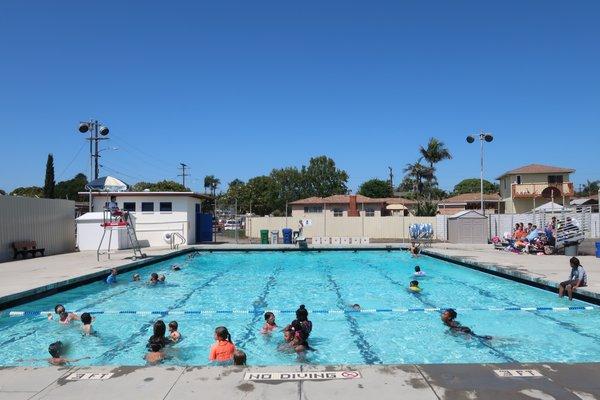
x: 334, y: 311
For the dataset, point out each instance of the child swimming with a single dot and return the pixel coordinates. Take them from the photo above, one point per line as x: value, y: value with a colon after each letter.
x: 56, y: 351
x: 173, y: 332
x: 418, y: 271
x: 60, y: 310
x: 155, y: 355
x: 158, y: 335
x: 112, y: 278
x: 270, y: 324
x: 302, y: 318
x: 414, y: 287
x: 136, y: 277
x: 153, y: 279
x: 449, y: 319
x: 86, y: 320
x: 223, y: 348
x: 239, y: 357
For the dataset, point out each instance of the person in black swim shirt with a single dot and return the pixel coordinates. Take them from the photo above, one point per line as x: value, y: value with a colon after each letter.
x: 449, y: 319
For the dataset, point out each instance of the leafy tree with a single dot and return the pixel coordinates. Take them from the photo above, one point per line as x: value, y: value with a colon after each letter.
x: 322, y: 178
x: 376, y: 188
x: 289, y: 184
x: 589, y: 188
x: 49, y: 183
x: 2, y: 192
x: 162, y: 186
x: 426, y: 209
x: 69, y: 189
x: 473, y: 185
x: 262, y: 191
x: 28, y: 191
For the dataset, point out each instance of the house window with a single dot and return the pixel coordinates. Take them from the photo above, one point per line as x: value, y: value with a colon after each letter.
x: 555, y: 179
x: 166, y: 206
x: 369, y: 212
x: 518, y: 179
x: 313, y: 210
x: 338, y: 212
x: 147, y: 207
x: 129, y: 206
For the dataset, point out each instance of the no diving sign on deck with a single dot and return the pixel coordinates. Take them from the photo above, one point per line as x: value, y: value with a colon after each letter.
x: 301, y: 376
x: 89, y: 377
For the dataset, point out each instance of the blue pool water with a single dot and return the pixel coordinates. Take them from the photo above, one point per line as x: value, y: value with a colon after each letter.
x: 328, y: 281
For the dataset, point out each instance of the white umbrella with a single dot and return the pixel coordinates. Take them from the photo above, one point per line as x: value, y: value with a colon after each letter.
x: 107, y: 184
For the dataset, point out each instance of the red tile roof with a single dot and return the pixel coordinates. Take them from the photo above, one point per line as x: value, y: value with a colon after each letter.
x: 470, y: 198
x: 345, y: 199
x: 538, y: 169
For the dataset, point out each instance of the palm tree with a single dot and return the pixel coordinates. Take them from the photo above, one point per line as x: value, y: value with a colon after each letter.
x: 435, y: 152
x: 211, y: 183
x: 590, y: 188
x: 215, y: 184
x: 417, y: 172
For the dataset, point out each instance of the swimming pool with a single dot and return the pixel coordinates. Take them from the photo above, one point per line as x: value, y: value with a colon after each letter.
x: 236, y: 287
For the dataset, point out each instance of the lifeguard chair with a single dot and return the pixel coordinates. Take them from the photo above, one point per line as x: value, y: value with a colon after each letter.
x: 114, y: 218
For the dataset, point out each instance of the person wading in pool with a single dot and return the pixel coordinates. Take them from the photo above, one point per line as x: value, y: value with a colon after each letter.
x: 449, y: 319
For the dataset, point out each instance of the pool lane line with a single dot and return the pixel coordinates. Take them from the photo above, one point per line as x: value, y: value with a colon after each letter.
x: 481, y: 340
x: 562, y: 324
x: 261, y: 311
x: 114, y: 351
x: 364, y: 347
x: 259, y: 306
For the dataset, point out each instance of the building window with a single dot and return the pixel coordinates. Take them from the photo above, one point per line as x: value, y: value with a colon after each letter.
x: 313, y: 210
x: 369, y: 212
x: 555, y: 179
x: 338, y: 212
x: 518, y: 179
x: 147, y: 207
x: 129, y: 206
x: 166, y: 206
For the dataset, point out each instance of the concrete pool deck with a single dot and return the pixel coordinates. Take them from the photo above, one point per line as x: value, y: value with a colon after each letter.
x: 410, y: 382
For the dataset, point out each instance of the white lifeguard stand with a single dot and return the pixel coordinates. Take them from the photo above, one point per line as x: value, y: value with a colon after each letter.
x: 112, y: 219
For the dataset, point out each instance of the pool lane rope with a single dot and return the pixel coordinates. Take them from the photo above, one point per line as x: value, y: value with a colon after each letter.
x: 334, y: 311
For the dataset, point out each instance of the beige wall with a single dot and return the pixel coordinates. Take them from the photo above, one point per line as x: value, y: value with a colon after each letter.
x: 51, y: 223
x: 298, y: 211
x: 393, y: 227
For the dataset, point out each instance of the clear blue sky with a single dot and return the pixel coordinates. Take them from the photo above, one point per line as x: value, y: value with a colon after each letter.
x: 235, y: 89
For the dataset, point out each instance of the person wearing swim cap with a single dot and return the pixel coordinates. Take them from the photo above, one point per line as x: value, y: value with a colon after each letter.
x: 414, y: 286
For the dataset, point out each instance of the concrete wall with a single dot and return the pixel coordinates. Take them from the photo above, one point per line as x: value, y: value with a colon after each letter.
x: 393, y: 227
x: 298, y: 211
x: 51, y: 223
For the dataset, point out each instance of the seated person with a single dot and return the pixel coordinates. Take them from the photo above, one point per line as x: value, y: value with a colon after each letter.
x: 577, y: 278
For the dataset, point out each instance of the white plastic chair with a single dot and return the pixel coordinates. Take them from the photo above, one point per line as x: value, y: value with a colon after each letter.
x: 316, y: 240
x: 345, y: 241
x: 325, y: 240
x: 335, y: 240
x: 364, y: 240
x: 356, y: 240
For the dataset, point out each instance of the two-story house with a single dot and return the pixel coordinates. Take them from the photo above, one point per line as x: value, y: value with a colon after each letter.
x: 528, y: 187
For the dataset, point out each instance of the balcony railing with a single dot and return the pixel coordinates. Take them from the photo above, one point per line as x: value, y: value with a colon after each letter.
x: 531, y: 190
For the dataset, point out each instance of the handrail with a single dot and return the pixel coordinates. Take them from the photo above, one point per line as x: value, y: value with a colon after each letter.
x: 173, y: 245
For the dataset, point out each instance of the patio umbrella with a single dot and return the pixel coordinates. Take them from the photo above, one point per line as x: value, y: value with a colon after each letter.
x: 107, y: 184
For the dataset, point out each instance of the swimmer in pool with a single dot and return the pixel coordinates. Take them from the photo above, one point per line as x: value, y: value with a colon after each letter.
x: 414, y: 287
x: 449, y: 319
x: 162, y: 278
x: 156, y: 354
x: 136, y: 278
x: 174, y: 332
x: 60, y: 309
x: 418, y: 271
x: 56, y: 350
x: 270, y: 324
x: 86, y: 320
x: 355, y: 307
x: 153, y: 279
x: 175, y: 267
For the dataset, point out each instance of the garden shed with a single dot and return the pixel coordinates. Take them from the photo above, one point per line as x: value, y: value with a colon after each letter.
x: 468, y: 226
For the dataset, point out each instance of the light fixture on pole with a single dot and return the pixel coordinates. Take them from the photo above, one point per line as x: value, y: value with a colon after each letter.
x: 487, y: 137
x: 95, y: 129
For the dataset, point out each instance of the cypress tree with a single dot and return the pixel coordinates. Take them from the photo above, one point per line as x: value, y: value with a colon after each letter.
x: 49, y: 182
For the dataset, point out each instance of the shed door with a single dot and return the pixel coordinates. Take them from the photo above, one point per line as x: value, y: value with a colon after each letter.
x: 472, y: 231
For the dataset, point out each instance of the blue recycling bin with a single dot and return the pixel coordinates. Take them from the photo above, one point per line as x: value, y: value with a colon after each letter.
x: 287, y: 235
x: 598, y: 249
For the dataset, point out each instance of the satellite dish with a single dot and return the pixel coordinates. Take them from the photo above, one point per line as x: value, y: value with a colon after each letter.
x: 488, y: 138
x: 103, y: 130
x: 470, y: 139
x: 84, y: 127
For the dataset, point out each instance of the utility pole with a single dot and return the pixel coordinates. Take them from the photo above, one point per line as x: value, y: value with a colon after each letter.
x: 183, y: 174
x: 391, y: 178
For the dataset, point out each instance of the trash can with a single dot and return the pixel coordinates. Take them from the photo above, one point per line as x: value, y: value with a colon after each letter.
x: 571, y: 249
x: 264, y: 236
x: 598, y: 249
x: 287, y: 235
x: 274, y: 237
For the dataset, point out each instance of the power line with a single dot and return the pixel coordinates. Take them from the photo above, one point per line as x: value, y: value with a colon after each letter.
x: 72, y: 161
x: 182, y: 167
x: 123, y: 173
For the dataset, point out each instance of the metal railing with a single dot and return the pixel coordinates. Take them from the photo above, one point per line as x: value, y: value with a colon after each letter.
x: 173, y: 244
x: 529, y: 190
